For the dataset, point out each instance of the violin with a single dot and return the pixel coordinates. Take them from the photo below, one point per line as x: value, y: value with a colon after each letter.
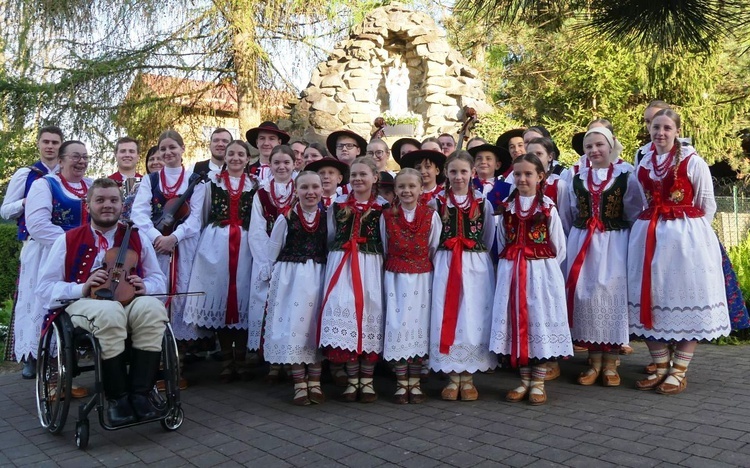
x: 380, y: 128
x: 470, y: 118
x: 176, y: 210
x: 119, y: 262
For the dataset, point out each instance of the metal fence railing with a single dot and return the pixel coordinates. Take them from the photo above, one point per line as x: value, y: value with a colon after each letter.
x: 732, y: 220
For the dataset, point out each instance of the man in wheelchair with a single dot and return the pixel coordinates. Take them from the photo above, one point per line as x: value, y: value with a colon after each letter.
x: 73, y: 268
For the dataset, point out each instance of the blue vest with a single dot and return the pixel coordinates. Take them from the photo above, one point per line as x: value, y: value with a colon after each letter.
x: 37, y: 171
x: 68, y: 213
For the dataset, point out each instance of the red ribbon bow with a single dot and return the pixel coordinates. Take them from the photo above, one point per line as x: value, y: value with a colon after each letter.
x: 453, y: 291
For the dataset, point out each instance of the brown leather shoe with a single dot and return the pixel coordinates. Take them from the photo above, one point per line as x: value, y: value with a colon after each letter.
x: 588, y: 377
x: 367, y: 391
x: 315, y: 393
x: 654, y: 380
x: 76, y: 391
x: 536, y: 399
x: 650, y: 369
x: 518, y: 393
x: 450, y: 392
x: 468, y: 391
x: 401, y: 398
x: 669, y: 389
x: 553, y: 371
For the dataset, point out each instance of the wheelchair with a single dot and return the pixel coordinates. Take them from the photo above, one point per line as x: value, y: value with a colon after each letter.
x: 60, y: 346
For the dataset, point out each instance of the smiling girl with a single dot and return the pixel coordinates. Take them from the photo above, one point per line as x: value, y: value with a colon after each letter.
x: 179, y: 247
x: 411, y: 234
x: 674, y: 260
x: 352, y: 314
x: 604, y: 202
x: 223, y: 262
x: 530, y: 323
x: 273, y: 199
x: 298, y: 246
x: 461, y: 306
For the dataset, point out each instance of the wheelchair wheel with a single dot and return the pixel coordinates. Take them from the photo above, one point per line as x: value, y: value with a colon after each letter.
x: 174, y: 419
x: 54, y: 374
x: 170, y: 369
x: 82, y: 434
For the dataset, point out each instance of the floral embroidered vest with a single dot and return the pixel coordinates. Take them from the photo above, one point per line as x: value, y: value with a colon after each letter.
x: 67, y: 212
x: 368, y: 229
x: 81, y: 251
x: 157, y: 196
x: 611, y: 211
x: 531, y: 235
x: 219, y: 214
x: 301, y: 245
x: 408, y: 243
x: 471, y: 229
x: 671, y: 196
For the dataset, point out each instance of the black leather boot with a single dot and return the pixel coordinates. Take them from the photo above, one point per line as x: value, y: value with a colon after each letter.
x: 115, y: 381
x: 143, y: 368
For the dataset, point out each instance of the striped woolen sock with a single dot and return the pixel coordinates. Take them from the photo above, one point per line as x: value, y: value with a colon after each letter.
x: 367, y: 369
x: 313, y: 372
x: 660, y: 356
x: 352, y: 369
x: 680, y: 362
x: 298, y: 374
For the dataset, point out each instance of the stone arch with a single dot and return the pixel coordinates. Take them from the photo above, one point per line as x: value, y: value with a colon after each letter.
x: 348, y: 89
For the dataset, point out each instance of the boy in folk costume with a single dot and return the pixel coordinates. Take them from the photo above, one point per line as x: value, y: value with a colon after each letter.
x: 333, y: 173
x: 411, y: 234
x: 461, y: 306
x: 298, y: 246
x: 265, y: 137
x: 352, y: 314
x: 529, y: 319
x: 48, y: 143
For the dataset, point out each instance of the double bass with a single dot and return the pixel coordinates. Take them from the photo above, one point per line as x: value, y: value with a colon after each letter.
x: 470, y: 119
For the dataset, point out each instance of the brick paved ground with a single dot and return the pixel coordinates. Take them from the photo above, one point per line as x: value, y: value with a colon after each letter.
x: 254, y: 424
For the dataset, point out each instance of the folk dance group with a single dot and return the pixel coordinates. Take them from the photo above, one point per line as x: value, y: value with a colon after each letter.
x: 319, y: 252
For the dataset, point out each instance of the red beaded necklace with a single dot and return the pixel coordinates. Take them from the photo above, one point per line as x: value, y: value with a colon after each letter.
x: 167, y: 190
x: 412, y: 226
x: 309, y: 227
x: 524, y: 215
x: 233, y: 194
x: 78, y: 192
x: 465, y: 204
x: 281, y: 201
x: 661, y: 169
x: 595, y: 189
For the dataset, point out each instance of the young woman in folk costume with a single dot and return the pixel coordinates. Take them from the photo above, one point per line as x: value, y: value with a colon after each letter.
x: 298, y: 246
x: 411, y: 234
x: 352, y: 313
x: 223, y: 261
x: 675, y: 281
x: 604, y: 201
x: 273, y: 199
x: 529, y: 319
x: 177, y: 250
x: 464, y: 273
x: 54, y: 205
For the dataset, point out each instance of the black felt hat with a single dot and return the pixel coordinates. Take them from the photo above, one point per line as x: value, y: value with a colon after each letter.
x: 315, y: 166
x: 331, y: 141
x: 270, y: 127
x: 396, y: 148
x: 504, y: 139
x: 501, y: 154
x: 577, y: 143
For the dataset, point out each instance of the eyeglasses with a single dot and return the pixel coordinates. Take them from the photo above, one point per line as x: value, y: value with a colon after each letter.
x: 378, y: 153
x: 77, y: 157
x: 346, y: 146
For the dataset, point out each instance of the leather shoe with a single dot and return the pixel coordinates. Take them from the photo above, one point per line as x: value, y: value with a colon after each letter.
x: 29, y: 369
x: 120, y: 412
x: 142, y: 407
x: 76, y: 391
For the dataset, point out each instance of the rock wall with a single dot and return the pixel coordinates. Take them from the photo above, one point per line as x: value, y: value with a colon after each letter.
x: 348, y: 89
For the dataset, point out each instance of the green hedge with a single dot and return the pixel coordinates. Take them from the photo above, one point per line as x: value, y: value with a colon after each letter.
x: 10, y: 249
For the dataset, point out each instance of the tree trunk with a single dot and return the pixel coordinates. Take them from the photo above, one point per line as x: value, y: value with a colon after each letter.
x: 245, y: 51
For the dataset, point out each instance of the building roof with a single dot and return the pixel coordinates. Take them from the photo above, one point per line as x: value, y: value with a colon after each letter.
x: 206, y: 95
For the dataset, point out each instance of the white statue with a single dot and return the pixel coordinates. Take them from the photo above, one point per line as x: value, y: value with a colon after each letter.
x: 397, y: 84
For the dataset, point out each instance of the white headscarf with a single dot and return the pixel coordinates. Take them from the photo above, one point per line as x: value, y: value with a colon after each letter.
x: 614, y: 144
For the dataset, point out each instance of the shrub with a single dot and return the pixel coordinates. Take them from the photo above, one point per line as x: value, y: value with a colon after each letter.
x: 10, y: 249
